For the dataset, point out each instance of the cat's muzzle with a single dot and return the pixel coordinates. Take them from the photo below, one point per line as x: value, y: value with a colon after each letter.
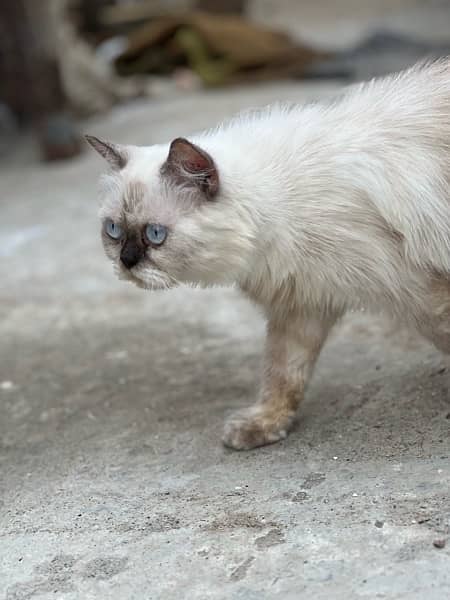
x: 131, y: 254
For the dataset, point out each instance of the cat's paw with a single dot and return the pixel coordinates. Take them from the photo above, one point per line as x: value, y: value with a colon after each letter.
x: 254, y: 426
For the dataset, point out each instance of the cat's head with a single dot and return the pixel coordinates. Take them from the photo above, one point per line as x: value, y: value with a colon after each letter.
x: 166, y: 218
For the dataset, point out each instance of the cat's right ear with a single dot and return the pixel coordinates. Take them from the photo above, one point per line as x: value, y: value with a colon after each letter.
x: 114, y: 154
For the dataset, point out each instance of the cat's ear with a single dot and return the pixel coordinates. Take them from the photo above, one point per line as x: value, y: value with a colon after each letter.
x: 190, y: 165
x: 115, y: 155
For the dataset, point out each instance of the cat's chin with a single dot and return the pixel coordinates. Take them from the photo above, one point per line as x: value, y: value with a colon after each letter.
x: 153, y: 280
x: 153, y: 285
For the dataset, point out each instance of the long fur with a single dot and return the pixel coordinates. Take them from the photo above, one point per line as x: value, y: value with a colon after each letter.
x: 320, y: 208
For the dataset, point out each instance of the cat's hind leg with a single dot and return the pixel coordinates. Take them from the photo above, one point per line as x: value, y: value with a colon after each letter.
x: 291, y: 352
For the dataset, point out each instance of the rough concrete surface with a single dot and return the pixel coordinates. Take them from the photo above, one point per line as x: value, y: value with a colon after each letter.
x: 114, y: 483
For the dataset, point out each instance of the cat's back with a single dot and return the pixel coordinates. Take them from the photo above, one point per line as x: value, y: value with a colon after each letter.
x: 403, y: 122
x: 413, y: 104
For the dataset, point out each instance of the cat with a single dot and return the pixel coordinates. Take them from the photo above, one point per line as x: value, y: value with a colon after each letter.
x: 310, y: 210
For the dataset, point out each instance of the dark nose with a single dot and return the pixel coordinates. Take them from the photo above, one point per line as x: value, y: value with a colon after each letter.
x: 130, y: 254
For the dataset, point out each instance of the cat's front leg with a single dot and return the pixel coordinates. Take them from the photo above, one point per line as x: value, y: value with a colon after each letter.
x: 291, y: 351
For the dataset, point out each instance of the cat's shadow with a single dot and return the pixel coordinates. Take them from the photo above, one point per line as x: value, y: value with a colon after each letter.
x: 403, y: 414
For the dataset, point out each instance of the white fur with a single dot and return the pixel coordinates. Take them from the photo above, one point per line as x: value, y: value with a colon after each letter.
x: 320, y: 209
x: 347, y: 201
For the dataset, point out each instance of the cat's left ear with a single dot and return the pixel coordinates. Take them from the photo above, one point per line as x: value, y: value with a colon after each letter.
x: 190, y: 165
x: 115, y: 155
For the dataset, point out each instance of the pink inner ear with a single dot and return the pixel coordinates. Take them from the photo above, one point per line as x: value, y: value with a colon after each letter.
x: 189, y: 163
x: 197, y: 165
x: 192, y: 158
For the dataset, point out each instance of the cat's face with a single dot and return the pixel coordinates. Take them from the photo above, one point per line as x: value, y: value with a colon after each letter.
x: 163, y: 219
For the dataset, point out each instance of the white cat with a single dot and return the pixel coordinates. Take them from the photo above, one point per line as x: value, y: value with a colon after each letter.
x: 310, y: 210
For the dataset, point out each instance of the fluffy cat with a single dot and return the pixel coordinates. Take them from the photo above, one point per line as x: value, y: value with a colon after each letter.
x: 310, y: 210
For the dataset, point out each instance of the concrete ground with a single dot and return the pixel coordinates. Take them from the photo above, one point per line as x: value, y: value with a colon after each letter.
x: 113, y: 481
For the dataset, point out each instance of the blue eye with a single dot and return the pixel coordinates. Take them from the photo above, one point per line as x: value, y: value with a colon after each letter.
x: 113, y: 230
x: 156, y: 234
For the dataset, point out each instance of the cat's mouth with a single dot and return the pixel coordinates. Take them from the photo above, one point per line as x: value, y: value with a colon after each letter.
x: 147, y: 279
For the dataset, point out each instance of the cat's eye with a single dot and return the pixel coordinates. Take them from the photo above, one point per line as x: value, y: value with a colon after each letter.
x: 155, y: 233
x: 114, y: 230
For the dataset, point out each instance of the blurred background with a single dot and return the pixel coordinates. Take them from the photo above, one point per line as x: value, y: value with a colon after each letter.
x: 65, y: 60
